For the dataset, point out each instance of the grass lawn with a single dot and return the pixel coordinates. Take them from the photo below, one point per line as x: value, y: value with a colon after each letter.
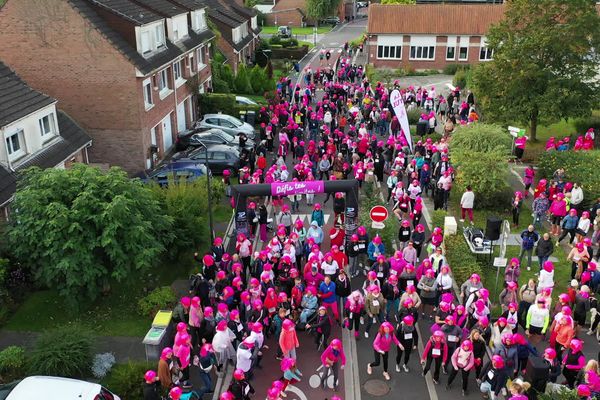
x: 271, y: 30
x: 304, y: 43
x: 112, y: 315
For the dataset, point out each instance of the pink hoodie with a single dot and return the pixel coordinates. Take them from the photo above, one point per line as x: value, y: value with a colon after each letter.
x: 559, y: 208
x: 328, y: 355
x: 462, y: 359
x: 383, y: 342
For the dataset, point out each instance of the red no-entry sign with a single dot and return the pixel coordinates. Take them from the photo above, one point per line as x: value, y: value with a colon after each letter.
x: 379, y: 214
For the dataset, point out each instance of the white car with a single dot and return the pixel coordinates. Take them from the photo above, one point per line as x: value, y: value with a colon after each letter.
x: 245, y: 101
x: 54, y: 388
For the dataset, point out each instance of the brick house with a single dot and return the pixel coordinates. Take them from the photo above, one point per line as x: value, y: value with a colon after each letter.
x: 239, y: 30
x: 293, y: 12
x: 429, y: 36
x: 34, y: 133
x: 119, y: 67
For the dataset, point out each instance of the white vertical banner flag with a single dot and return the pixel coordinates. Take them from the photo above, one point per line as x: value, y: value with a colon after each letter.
x: 400, y: 110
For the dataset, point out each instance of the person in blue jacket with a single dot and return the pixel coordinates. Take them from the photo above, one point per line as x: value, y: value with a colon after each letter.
x: 317, y: 215
x: 376, y: 248
x: 328, y: 296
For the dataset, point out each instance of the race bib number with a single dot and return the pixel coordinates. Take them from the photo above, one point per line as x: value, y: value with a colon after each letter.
x: 380, y: 274
x: 452, y: 338
x: 411, y: 282
x: 361, y: 246
x: 375, y: 303
x: 490, y: 374
x: 272, y: 309
x: 436, y: 352
x: 407, y: 336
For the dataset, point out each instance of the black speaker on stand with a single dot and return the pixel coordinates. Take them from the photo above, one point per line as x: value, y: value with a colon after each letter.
x: 537, y: 373
x: 422, y: 128
x: 492, y: 228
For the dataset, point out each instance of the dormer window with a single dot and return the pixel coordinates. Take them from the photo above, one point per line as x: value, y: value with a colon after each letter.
x: 254, y: 22
x: 199, y: 20
x: 236, y: 34
x: 179, y: 27
x: 47, y: 126
x: 152, y: 38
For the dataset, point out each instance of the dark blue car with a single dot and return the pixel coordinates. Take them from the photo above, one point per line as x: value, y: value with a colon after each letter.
x: 178, y: 172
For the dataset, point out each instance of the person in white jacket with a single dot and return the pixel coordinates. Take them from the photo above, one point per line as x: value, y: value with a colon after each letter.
x: 577, y: 197
x: 466, y: 204
x: 546, y: 276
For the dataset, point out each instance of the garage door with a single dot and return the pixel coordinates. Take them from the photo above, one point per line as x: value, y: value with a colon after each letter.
x: 167, y: 133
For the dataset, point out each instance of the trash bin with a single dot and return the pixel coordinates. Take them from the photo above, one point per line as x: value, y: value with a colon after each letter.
x: 154, y: 342
x: 251, y: 117
x: 159, y: 335
x: 243, y: 115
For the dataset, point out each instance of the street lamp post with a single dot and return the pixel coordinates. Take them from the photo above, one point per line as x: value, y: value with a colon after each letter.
x: 208, y: 177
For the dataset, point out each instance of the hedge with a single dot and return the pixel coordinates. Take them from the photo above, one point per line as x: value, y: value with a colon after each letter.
x: 224, y: 103
x: 580, y: 167
x: 462, y: 262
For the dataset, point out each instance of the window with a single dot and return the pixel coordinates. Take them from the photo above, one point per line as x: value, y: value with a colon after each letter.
x: 254, y: 22
x: 200, y: 20
x: 159, y: 36
x: 389, y: 52
x: 148, y: 94
x: 177, y: 70
x: 219, y: 156
x: 201, y: 58
x: 485, y: 54
x: 450, y: 53
x: 163, y: 80
x: 15, y: 145
x: 47, y: 124
x: 236, y: 34
x: 146, y: 42
x: 463, y: 49
x: 175, y: 32
x: 422, y: 52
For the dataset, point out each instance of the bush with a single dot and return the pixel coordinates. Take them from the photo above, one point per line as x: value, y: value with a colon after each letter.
x: 275, y: 39
x: 64, y: 351
x: 102, y: 364
x: 431, y: 72
x: 580, y: 167
x: 583, y: 124
x: 462, y: 78
x: 481, y: 137
x: 217, y: 102
x: 127, y: 379
x: 462, y: 262
x: 12, y: 364
x: 414, y: 115
x: 186, y: 203
x: 438, y: 218
x: 159, y: 299
x: 451, y: 69
x: 220, y: 86
x: 242, y: 80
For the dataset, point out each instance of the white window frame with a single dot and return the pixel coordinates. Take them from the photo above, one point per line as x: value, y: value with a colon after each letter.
x: 390, y: 49
x: 147, y: 42
x: 483, y: 47
x: 201, y: 58
x: 463, y: 44
x: 159, y: 36
x: 451, y: 44
x: 8, y: 142
x: 51, y: 124
x: 147, y: 89
x: 422, y: 45
x: 200, y: 20
x: 420, y: 56
x: 178, y: 73
x: 163, y: 77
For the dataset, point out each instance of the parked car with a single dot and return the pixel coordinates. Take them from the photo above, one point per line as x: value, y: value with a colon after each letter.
x: 361, y: 4
x: 195, y: 138
x: 54, y: 388
x: 284, y: 32
x: 164, y: 173
x: 331, y: 21
x: 245, y: 101
x: 227, y: 123
x: 220, y: 158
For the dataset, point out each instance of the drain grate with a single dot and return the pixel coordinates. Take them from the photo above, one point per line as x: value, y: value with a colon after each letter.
x: 376, y: 387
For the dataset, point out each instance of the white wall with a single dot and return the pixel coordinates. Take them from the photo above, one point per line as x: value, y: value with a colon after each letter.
x: 178, y: 24
x: 33, y: 139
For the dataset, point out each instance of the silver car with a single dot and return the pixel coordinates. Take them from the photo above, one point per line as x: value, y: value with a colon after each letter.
x: 226, y: 123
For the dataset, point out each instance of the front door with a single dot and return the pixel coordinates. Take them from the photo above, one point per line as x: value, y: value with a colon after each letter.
x: 167, y: 133
x: 181, y: 117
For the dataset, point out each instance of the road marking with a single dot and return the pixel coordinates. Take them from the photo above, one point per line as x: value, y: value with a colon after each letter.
x: 297, y: 391
x: 515, y: 173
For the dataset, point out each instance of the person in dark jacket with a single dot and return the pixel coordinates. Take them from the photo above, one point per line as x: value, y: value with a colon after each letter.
x: 544, y: 249
x: 240, y: 387
x: 322, y: 326
x: 493, y: 377
x: 151, y: 389
x: 529, y: 236
x: 339, y: 207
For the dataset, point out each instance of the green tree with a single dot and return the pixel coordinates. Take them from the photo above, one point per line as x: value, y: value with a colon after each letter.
x: 398, y: 1
x: 81, y: 227
x: 242, y: 80
x: 544, y: 67
x: 320, y: 9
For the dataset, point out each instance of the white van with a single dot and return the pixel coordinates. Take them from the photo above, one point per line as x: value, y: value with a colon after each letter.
x: 54, y: 388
